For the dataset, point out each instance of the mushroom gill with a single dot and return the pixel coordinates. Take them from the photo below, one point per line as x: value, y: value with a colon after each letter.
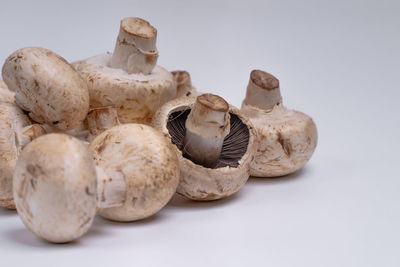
x: 234, y: 146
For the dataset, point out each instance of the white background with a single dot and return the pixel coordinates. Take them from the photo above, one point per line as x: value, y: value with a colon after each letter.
x: 338, y: 61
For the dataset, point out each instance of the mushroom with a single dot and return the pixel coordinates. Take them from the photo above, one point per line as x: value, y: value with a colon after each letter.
x: 183, y: 83
x: 47, y: 87
x: 129, y: 79
x: 5, y: 94
x: 214, y: 142
x: 149, y: 163
x: 15, y: 132
x: 287, y: 138
x: 59, y: 185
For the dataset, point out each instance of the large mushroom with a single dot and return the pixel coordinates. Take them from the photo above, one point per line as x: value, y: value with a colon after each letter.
x: 215, y: 145
x: 129, y: 78
x: 15, y: 132
x: 47, y: 87
x: 59, y: 185
x: 287, y: 138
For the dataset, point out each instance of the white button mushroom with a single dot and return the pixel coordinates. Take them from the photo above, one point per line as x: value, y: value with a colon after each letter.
x: 128, y: 79
x: 149, y: 164
x: 287, y: 138
x: 227, y: 167
x: 58, y: 187
x: 15, y: 132
x: 47, y: 87
x: 55, y: 188
x: 5, y: 94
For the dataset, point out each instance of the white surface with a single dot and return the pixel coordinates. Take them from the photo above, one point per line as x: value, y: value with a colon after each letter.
x: 338, y: 61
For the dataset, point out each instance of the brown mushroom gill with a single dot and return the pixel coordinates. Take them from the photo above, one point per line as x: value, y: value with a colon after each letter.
x: 234, y: 146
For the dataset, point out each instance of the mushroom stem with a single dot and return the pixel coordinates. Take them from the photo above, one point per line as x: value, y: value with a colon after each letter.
x: 135, y: 50
x: 183, y: 82
x: 263, y: 90
x: 207, y: 125
x: 101, y: 119
x: 28, y: 133
x: 111, y: 188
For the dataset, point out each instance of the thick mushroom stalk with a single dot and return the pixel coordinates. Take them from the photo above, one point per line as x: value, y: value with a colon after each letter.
x: 263, y: 90
x: 111, y: 188
x: 206, y: 127
x: 183, y: 83
x: 135, y: 50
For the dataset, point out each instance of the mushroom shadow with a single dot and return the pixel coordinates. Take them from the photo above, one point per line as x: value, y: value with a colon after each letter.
x: 103, y: 222
x: 7, y: 212
x: 279, y: 179
x: 25, y: 237
x: 179, y: 201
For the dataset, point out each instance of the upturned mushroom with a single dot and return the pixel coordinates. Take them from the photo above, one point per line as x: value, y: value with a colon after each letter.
x: 129, y: 78
x: 215, y: 145
x: 59, y: 185
x: 287, y: 138
x: 47, y: 87
x: 15, y: 132
x: 5, y: 94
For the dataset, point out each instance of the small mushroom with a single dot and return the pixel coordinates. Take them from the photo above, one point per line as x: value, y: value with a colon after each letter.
x: 5, y: 94
x: 287, y: 138
x: 58, y: 187
x: 47, y: 87
x: 15, y: 132
x: 129, y: 79
x: 183, y: 84
x: 215, y: 145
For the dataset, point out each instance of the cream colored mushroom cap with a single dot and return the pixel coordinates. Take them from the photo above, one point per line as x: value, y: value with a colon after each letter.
x: 137, y: 96
x: 5, y: 94
x: 47, y: 86
x: 148, y: 162
x: 12, y: 120
x: 55, y: 188
x: 198, y: 182
x: 287, y: 140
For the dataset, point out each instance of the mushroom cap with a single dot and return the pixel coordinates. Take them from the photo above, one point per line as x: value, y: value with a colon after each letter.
x: 148, y: 162
x: 231, y: 172
x: 136, y: 96
x: 12, y: 120
x: 287, y: 140
x: 55, y: 188
x: 47, y: 86
x: 5, y: 94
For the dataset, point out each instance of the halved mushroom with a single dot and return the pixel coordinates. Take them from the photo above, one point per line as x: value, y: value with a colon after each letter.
x: 58, y: 187
x: 287, y: 138
x: 129, y: 79
x: 15, y: 132
x: 215, y: 145
x: 47, y: 87
x: 5, y: 94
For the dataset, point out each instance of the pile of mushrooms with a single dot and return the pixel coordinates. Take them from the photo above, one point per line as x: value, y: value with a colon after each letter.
x: 116, y: 135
